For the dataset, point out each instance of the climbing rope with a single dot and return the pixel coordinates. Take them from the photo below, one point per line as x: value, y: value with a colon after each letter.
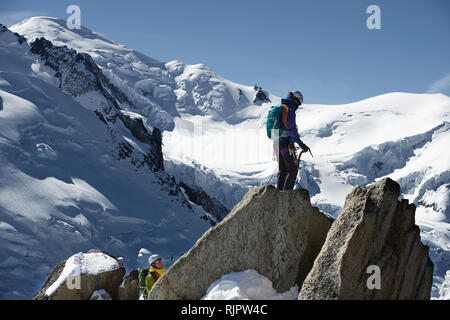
x: 270, y: 179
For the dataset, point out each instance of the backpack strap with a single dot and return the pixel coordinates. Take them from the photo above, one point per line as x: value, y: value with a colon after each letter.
x: 154, y: 275
x: 142, y: 275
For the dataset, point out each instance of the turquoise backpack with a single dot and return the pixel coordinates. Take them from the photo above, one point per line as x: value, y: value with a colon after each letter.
x: 273, y: 125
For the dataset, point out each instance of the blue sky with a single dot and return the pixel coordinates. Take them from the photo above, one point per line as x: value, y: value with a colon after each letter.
x: 322, y: 48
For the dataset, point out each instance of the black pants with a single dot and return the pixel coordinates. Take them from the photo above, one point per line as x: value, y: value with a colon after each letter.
x: 287, y: 169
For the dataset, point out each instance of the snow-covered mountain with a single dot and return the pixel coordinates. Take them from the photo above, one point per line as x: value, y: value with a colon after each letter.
x: 213, y: 138
x: 79, y: 170
x: 160, y: 91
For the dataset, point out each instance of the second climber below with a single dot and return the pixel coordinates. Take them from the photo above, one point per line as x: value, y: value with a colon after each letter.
x: 287, y: 163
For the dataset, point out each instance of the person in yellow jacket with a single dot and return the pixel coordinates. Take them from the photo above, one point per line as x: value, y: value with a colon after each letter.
x: 148, y: 276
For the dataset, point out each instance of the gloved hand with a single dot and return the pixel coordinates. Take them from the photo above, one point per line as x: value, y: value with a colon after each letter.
x: 304, y: 147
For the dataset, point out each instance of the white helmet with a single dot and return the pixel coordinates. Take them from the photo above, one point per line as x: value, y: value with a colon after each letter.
x: 153, y: 258
x: 298, y: 95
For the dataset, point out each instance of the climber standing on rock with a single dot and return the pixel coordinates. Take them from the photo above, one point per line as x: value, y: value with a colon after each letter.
x: 285, y: 134
x: 148, y: 276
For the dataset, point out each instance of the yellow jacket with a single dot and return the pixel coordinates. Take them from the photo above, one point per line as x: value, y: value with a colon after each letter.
x: 153, y: 275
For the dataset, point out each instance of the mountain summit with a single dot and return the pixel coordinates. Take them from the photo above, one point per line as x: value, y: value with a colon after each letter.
x: 157, y: 89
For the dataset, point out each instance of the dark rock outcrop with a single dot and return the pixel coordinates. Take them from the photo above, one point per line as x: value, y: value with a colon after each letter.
x: 209, y: 204
x: 260, y: 95
x: 77, y: 72
x: 129, y: 288
x: 277, y: 233
x: 374, y: 230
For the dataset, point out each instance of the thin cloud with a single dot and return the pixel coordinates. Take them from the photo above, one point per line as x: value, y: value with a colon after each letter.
x: 440, y: 85
x: 11, y: 18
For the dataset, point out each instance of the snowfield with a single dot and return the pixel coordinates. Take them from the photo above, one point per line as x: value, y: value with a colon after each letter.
x: 61, y: 191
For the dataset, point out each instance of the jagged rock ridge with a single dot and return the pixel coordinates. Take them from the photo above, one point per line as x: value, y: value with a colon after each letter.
x: 373, y: 229
x: 79, y: 74
x: 276, y: 233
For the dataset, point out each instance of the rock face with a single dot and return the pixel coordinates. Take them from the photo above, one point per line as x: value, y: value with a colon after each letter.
x: 260, y: 95
x: 209, y: 204
x: 94, y: 271
x: 277, y: 233
x: 374, y: 229
x: 129, y: 288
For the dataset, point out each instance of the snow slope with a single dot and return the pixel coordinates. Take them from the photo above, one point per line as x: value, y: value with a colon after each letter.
x: 215, y: 135
x: 73, y: 179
